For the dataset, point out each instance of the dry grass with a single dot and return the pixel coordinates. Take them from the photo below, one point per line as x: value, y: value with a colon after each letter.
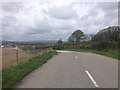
x: 12, y: 75
x: 9, y: 56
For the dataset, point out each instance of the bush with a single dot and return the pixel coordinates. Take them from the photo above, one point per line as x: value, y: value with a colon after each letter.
x: 58, y: 47
x: 41, y: 47
x: 103, y: 45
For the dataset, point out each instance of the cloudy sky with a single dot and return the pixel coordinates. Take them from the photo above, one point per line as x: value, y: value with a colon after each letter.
x: 51, y: 20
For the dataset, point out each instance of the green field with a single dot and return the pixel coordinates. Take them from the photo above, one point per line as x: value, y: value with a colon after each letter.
x: 11, y: 75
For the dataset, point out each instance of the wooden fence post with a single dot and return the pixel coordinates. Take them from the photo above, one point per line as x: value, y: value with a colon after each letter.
x: 17, y: 55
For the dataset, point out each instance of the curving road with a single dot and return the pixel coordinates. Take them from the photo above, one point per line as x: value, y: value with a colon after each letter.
x: 74, y: 70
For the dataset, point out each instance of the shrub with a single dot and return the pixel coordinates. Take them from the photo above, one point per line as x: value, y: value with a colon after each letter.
x: 103, y: 45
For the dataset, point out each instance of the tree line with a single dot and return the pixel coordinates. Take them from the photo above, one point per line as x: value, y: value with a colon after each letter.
x: 105, y: 39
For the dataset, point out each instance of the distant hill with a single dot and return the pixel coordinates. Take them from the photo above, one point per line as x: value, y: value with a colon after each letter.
x: 29, y: 42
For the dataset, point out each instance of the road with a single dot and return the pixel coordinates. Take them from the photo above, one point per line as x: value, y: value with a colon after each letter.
x: 74, y: 70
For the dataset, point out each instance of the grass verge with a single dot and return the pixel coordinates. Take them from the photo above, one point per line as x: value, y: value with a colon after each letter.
x: 11, y: 75
x: 109, y: 53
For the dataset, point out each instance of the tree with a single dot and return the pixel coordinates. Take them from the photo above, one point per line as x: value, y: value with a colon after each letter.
x: 59, y: 42
x: 76, y: 37
x: 107, y: 34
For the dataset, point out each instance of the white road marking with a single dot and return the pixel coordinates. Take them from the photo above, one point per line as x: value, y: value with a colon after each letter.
x: 91, y: 78
x: 76, y: 57
x: 63, y: 51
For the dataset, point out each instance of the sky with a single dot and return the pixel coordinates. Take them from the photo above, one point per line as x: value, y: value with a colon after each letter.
x: 52, y: 20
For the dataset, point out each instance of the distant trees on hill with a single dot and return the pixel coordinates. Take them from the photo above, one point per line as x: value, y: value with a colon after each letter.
x: 60, y: 42
x: 106, y: 39
x: 107, y: 34
x: 76, y: 37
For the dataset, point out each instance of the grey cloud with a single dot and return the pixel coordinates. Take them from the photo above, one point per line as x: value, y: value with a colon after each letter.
x: 63, y: 12
x: 93, y: 12
x: 8, y: 20
x: 84, y: 17
x: 11, y: 6
x: 92, y: 21
x: 49, y: 25
x: 111, y: 11
x: 107, y: 5
x: 109, y: 8
x: 42, y: 26
x: 54, y: 22
x: 112, y: 14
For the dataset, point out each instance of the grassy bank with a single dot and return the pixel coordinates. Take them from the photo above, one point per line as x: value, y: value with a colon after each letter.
x: 109, y: 53
x: 12, y: 75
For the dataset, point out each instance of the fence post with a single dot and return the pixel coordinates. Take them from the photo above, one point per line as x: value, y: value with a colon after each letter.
x: 17, y: 55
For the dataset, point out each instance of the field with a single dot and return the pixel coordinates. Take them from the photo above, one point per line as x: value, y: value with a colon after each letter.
x: 12, y: 75
x: 10, y: 56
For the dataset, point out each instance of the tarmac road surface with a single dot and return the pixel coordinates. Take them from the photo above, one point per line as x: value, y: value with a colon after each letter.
x: 74, y: 70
